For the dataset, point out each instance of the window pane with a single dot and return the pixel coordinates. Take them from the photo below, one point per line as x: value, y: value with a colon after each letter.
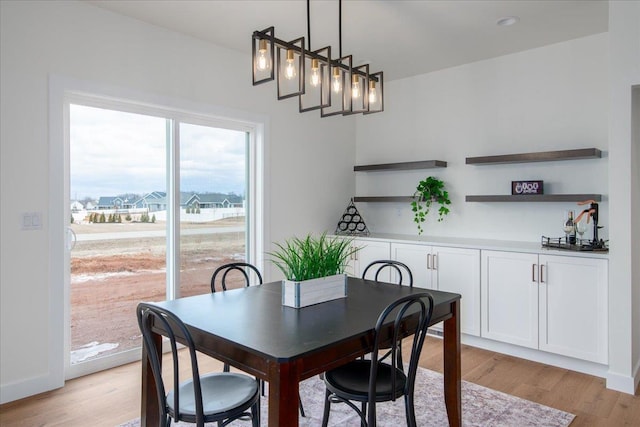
x: 117, y: 175
x: 212, y: 204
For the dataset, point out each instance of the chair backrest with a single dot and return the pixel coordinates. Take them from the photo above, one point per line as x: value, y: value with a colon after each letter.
x: 237, y: 266
x: 397, y: 266
x: 419, y: 305
x: 149, y: 315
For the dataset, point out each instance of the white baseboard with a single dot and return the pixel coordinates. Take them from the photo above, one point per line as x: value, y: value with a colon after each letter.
x: 614, y: 381
x: 622, y: 383
x: 590, y: 368
x: 29, y: 387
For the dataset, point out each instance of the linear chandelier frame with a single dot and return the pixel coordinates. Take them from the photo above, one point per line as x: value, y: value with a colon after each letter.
x: 333, y: 86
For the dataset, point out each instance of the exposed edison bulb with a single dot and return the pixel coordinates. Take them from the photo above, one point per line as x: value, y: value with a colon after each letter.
x: 373, y: 95
x: 262, y: 60
x: 355, y: 86
x: 315, y: 73
x: 337, y: 86
x: 290, y: 70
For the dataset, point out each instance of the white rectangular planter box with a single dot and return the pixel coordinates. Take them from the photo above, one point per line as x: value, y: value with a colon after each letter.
x: 314, y: 291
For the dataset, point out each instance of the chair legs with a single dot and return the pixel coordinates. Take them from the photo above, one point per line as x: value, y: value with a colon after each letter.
x: 410, y: 410
x: 300, y: 406
x: 362, y: 412
x: 255, y: 414
x: 363, y: 417
x: 327, y: 409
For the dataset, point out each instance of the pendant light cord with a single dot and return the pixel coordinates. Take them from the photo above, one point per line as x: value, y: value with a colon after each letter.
x: 309, y: 24
x: 340, y: 28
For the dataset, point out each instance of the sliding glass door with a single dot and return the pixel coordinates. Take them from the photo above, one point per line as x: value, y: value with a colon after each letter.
x: 158, y: 200
x: 213, y: 188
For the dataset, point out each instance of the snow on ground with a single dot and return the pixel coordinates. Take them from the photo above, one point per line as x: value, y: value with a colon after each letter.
x: 91, y: 350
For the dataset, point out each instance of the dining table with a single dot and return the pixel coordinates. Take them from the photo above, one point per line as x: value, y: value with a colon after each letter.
x: 251, y: 330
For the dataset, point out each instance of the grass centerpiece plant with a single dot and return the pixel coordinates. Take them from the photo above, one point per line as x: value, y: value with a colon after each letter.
x: 313, y: 268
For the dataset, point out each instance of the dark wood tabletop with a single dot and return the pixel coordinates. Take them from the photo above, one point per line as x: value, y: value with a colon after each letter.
x: 250, y: 329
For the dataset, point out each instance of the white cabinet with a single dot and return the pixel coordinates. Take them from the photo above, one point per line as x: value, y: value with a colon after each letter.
x: 573, y: 314
x: 547, y: 302
x: 509, y: 295
x: 550, y: 303
x: 446, y: 269
x: 370, y: 250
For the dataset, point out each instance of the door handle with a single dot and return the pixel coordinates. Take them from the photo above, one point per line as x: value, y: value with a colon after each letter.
x: 428, y: 261
x: 71, y: 239
x: 542, y: 273
x: 435, y: 261
x: 533, y: 273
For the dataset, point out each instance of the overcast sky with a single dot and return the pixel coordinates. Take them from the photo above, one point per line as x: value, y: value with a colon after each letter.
x: 114, y: 153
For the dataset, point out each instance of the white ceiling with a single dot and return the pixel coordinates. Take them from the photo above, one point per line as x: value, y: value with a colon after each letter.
x: 401, y: 38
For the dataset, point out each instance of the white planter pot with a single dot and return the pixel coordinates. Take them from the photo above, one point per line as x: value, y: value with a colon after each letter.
x: 314, y: 291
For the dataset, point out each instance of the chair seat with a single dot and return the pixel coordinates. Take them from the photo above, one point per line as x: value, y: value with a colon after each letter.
x: 221, y: 392
x: 351, y: 381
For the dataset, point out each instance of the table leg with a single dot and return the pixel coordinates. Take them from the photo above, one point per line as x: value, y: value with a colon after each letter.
x: 150, y: 411
x: 283, y: 395
x: 452, y: 367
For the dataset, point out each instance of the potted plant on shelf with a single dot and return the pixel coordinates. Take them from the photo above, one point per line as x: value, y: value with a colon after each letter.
x: 427, y: 192
x: 313, y: 268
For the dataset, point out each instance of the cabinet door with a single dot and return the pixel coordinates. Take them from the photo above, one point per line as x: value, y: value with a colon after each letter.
x: 458, y: 270
x: 573, y: 307
x: 418, y: 259
x: 370, y: 250
x: 509, y: 296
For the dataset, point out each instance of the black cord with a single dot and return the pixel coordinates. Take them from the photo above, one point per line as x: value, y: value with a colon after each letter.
x: 308, y: 24
x: 340, y: 28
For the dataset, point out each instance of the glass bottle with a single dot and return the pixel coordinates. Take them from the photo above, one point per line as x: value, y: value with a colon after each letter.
x: 570, y: 228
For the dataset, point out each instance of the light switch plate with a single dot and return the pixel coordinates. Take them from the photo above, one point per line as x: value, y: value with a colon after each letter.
x: 31, y: 221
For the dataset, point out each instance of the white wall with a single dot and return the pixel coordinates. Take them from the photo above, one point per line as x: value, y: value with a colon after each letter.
x: 635, y: 250
x: 551, y: 98
x: 575, y: 94
x: 79, y: 41
x: 624, y: 273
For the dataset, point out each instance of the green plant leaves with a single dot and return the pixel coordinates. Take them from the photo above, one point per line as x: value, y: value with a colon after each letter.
x: 428, y: 191
x: 312, y: 257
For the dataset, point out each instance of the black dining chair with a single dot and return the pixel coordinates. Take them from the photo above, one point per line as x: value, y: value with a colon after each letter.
x: 372, y: 381
x: 224, y: 270
x: 218, y: 397
x: 379, y: 266
x: 247, y: 271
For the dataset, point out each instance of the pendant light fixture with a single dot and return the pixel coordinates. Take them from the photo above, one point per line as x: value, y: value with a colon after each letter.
x: 334, y: 86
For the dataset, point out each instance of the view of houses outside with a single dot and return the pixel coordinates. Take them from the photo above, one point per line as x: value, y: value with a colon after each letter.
x: 119, y: 213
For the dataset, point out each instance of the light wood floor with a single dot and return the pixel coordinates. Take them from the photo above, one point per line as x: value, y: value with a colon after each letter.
x: 112, y: 397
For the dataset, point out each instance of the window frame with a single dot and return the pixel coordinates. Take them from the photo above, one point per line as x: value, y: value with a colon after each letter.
x: 64, y: 91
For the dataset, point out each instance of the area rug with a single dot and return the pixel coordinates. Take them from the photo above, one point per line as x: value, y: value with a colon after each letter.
x: 481, y: 407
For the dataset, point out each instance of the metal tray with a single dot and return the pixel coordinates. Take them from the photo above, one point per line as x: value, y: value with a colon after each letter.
x: 582, y: 245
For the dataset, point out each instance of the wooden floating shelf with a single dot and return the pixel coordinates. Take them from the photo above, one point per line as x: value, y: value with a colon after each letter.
x: 535, y: 198
x: 425, y: 164
x: 542, y: 156
x: 397, y: 199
